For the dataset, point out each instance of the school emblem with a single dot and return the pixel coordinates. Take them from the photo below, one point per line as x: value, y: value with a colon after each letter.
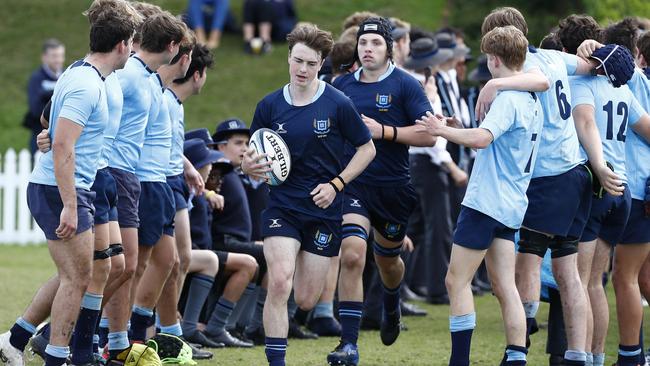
x: 322, y: 240
x: 383, y: 102
x: 321, y: 127
x: 392, y: 229
x: 233, y: 125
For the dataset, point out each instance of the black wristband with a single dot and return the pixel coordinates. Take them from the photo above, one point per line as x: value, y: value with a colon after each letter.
x: 394, y: 134
x: 335, y: 187
x: 342, y: 181
x: 382, y: 132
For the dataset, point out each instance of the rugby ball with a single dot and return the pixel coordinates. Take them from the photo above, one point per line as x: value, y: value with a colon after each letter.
x: 267, y: 141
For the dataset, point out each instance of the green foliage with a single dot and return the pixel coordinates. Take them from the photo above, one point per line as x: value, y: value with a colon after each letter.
x: 612, y: 10
x: 234, y: 86
x: 541, y: 16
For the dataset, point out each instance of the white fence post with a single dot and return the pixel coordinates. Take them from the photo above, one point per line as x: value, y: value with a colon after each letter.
x: 16, y: 223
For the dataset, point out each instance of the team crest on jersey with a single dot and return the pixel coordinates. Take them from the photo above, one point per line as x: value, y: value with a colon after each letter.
x: 322, y: 240
x: 392, y: 229
x: 383, y: 102
x: 321, y: 127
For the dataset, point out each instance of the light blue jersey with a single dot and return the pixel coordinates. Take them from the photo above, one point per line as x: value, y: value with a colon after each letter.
x: 115, y: 100
x: 637, y: 149
x: 615, y: 109
x: 502, y: 171
x: 134, y: 79
x: 79, y: 96
x: 177, y: 116
x: 154, y: 159
x: 559, y: 147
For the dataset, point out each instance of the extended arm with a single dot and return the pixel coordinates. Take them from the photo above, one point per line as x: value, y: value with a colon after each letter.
x: 583, y: 116
x: 192, y: 176
x: 404, y: 135
x: 478, y: 138
x: 533, y: 80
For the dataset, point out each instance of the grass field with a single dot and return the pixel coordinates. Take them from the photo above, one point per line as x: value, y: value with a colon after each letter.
x: 236, y: 84
x: 23, y: 269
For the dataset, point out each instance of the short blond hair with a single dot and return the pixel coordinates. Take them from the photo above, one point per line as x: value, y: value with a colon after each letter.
x: 501, y: 17
x: 508, y: 43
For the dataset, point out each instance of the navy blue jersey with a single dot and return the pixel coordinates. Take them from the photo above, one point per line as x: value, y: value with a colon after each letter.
x: 258, y: 199
x: 396, y: 99
x: 316, y: 134
x: 235, y: 218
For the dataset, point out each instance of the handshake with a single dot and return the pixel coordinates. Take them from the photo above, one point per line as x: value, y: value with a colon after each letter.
x: 435, y: 124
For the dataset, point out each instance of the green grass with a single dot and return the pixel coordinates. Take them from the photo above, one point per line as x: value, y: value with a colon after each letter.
x: 23, y: 269
x: 234, y: 86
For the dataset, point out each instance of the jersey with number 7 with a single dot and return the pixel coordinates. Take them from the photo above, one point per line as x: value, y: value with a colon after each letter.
x: 614, y: 110
x: 502, y: 171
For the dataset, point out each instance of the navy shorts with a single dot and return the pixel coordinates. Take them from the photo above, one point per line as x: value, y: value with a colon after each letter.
x: 45, y: 204
x: 180, y: 190
x: 637, y: 230
x: 560, y: 204
x: 316, y: 235
x: 105, y: 197
x: 157, y: 211
x: 608, y: 218
x: 476, y: 230
x: 128, y: 193
x: 387, y: 208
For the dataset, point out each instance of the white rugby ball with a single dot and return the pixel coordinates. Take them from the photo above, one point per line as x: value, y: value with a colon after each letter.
x: 267, y: 141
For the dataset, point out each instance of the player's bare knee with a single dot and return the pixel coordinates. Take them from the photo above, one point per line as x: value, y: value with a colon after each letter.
x: 250, y: 266
x: 306, y: 299
x: 353, y: 260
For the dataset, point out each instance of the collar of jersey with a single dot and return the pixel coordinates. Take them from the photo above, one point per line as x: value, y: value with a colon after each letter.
x: 391, y: 68
x: 84, y: 63
x: 319, y: 92
x: 174, y: 95
x: 135, y: 56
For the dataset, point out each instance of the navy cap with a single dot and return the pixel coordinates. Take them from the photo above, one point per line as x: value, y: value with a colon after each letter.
x: 227, y: 128
x: 481, y: 72
x: 617, y: 63
x: 198, y: 153
x: 200, y: 133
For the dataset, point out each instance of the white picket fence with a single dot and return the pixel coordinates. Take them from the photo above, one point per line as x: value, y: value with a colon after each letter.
x: 16, y: 223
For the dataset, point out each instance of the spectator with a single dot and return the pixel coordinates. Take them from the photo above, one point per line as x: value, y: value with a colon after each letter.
x: 258, y: 14
x: 207, y: 19
x: 431, y: 226
x: 284, y: 19
x: 240, y: 268
x: 401, y: 40
x: 41, y: 86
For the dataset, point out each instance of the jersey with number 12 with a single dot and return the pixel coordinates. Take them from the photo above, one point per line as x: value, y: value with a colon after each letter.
x: 614, y: 110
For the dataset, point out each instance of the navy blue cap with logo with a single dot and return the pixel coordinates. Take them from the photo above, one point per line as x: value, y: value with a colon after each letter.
x: 229, y: 127
x: 616, y: 62
x: 200, y: 133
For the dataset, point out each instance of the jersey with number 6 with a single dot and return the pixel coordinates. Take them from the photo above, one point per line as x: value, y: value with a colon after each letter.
x: 503, y: 170
x: 559, y: 147
x: 614, y: 110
